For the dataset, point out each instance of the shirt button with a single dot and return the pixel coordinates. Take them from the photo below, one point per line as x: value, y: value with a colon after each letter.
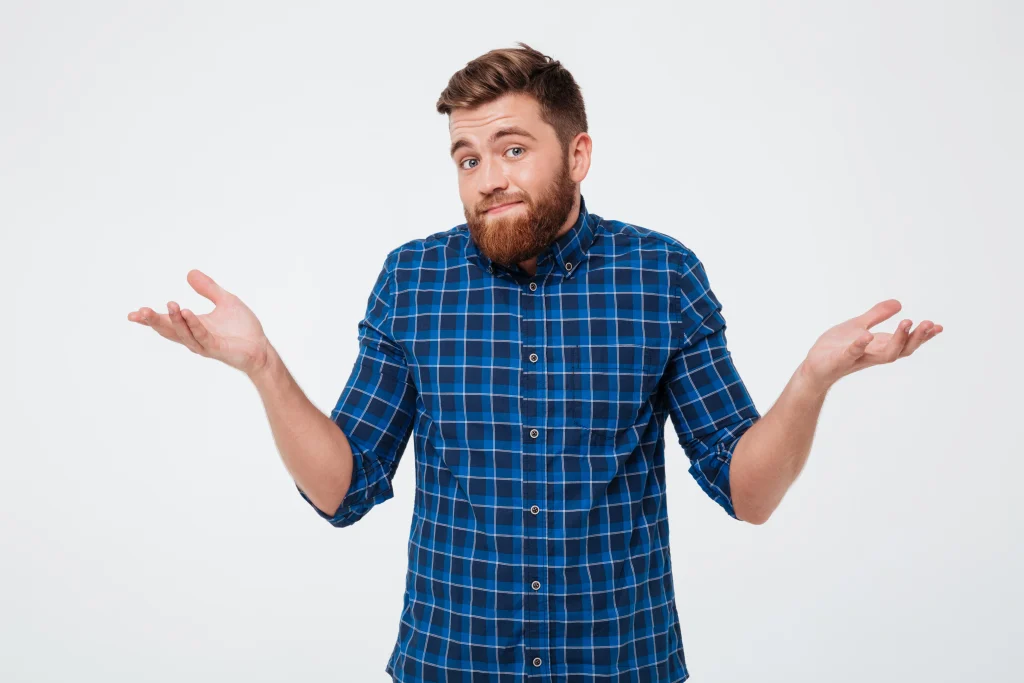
x: 533, y: 358
x: 534, y: 510
x: 534, y: 433
x: 535, y: 585
x: 533, y: 286
x: 568, y: 265
x: 536, y: 661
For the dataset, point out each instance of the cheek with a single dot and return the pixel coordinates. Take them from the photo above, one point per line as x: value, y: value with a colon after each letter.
x: 535, y: 179
x: 526, y: 178
x: 467, y: 193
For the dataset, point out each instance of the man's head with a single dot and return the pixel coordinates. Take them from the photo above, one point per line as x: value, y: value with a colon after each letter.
x: 519, y: 134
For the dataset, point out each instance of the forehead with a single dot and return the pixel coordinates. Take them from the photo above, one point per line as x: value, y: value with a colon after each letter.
x: 512, y: 109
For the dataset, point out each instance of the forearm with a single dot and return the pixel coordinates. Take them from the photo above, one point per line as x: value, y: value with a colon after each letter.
x: 769, y: 456
x: 315, y: 451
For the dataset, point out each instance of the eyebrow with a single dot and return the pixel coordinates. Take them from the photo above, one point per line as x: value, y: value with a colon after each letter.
x: 495, y: 136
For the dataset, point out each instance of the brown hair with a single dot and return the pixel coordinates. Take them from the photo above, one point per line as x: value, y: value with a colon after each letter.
x: 520, y: 70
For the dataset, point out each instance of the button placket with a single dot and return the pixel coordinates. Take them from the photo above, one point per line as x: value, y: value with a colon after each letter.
x: 534, y: 474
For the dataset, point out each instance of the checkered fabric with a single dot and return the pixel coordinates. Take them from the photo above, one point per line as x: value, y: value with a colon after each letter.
x: 539, y: 545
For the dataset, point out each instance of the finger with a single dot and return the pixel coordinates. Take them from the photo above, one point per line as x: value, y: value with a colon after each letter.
x: 918, y: 337
x: 932, y: 333
x: 858, y: 346
x: 198, y: 329
x: 181, y: 329
x: 204, y: 284
x: 897, y: 342
x: 143, y: 316
x: 883, y: 310
x: 161, y: 323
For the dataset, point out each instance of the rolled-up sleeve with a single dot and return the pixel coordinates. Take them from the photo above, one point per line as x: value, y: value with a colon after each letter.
x: 376, y: 408
x: 708, y: 402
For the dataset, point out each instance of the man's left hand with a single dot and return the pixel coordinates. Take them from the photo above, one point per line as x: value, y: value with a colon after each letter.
x: 851, y: 346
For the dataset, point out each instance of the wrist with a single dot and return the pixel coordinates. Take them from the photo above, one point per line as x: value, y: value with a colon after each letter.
x: 810, y: 384
x: 262, y: 373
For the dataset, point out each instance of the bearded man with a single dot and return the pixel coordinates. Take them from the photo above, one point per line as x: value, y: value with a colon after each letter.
x: 534, y: 354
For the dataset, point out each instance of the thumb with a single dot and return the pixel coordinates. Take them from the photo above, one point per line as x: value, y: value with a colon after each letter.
x: 859, y: 345
x: 204, y: 284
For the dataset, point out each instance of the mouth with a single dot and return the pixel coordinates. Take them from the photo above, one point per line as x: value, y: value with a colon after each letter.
x: 500, y: 208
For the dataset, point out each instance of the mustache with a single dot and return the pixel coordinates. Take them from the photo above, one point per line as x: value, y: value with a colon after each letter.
x: 500, y: 201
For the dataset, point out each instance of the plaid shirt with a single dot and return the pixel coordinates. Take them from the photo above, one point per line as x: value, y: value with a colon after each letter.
x: 539, y: 543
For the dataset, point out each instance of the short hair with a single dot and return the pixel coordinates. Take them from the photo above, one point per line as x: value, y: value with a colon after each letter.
x: 520, y: 70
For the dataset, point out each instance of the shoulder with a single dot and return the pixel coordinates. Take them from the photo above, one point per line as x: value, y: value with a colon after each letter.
x: 434, y: 250
x: 621, y: 232
x: 694, y: 306
x: 654, y: 248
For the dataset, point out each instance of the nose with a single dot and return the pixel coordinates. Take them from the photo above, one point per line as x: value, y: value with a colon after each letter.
x: 492, y: 177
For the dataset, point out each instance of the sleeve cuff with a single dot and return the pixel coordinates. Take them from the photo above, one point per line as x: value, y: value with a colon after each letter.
x: 712, y: 473
x: 370, y: 486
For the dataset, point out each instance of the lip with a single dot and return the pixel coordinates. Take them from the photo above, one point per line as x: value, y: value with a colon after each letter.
x: 501, y: 207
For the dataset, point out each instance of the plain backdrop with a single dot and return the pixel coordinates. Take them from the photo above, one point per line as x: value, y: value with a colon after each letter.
x: 819, y: 157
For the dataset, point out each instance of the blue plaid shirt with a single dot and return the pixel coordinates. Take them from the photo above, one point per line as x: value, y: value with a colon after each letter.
x: 539, y: 547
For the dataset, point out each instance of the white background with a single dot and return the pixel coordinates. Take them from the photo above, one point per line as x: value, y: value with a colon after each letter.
x: 818, y: 158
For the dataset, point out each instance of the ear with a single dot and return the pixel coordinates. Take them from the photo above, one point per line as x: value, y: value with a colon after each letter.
x: 579, y: 157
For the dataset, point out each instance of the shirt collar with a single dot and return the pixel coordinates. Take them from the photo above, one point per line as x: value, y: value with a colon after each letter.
x: 569, y: 250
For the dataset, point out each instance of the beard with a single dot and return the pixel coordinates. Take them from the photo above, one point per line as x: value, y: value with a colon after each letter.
x: 522, y: 232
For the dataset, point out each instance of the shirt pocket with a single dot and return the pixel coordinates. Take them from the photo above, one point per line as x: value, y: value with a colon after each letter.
x: 611, y: 385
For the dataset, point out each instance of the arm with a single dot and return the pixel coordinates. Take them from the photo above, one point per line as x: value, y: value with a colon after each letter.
x: 315, y: 452
x: 375, y: 414
x: 343, y: 465
x: 771, y: 454
x: 345, y: 461
x: 704, y: 393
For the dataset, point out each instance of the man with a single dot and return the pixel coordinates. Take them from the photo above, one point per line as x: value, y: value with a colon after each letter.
x: 535, y: 352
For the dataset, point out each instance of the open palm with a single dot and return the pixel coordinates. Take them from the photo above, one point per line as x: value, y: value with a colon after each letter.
x: 230, y: 333
x: 851, y: 345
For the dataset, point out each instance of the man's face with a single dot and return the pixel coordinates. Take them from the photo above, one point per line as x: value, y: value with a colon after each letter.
x: 523, y: 165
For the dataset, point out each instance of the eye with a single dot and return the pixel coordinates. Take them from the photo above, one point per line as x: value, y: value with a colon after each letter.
x: 517, y: 156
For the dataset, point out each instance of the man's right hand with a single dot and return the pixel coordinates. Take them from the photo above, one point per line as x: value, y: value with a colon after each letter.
x: 231, y: 333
